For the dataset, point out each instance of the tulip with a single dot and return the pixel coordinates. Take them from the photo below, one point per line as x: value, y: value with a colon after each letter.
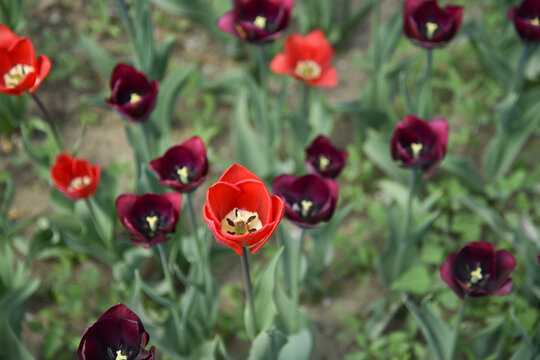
x: 240, y: 211
x: 526, y: 19
x: 324, y: 159
x: 420, y: 144
x: 20, y: 71
x: 428, y: 25
x: 118, y: 334
x: 478, y: 270
x: 308, y: 199
x: 75, y: 178
x: 307, y: 58
x: 133, y: 95
x: 257, y: 21
x: 182, y: 167
x: 149, y: 217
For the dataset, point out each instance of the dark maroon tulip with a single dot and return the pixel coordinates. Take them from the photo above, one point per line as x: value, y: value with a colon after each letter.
x: 117, y: 335
x: 420, y: 144
x: 182, y: 167
x: 149, y: 217
x: 477, y: 270
x: 308, y: 199
x: 257, y: 21
x: 133, y: 95
x: 526, y: 19
x: 428, y: 25
x: 324, y: 158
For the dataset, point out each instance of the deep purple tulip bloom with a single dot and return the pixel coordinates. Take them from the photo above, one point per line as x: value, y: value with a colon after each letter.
x: 133, y: 95
x: 257, y: 21
x: 118, y: 334
x: 182, y: 167
x: 149, y: 217
x: 419, y: 144
x: 308, y: 199
x: 323, y: 158
x: 526, y: 19
x: 428, y: 25
x: 478, y: 270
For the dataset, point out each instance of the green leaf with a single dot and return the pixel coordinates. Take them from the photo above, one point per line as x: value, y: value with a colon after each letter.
x: 298, y: 346
x: 464, y: 168
x: 267, y: 345
x: 488, y: 343
x: 416, y: 280
x: 152, y: 293
x: 377, y: 149
x: 210, y: 350
x: 102, y: 62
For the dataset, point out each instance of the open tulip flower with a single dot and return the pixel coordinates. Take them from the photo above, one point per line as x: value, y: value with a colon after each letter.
x: 428, y: 25
x: 257, y: 21
x: 308, y: 199
x: 420, y: 144
x: 118, y: 334
x: 133, y: 95
x: 183, y: 167
x: 240, y: 211
x: 324, y: 158
x: 478, y: 270
x: 75, y: 178
x: 307, y: 58
x: 149, y: 217
x: 20, y: 71
x: 526, y: 19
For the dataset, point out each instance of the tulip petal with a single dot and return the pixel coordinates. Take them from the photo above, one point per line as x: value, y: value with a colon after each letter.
x: 43, y: 67
x: 226, y: 23
x: 221, y: 198
x: 328, y: 79
x: 281, y: 64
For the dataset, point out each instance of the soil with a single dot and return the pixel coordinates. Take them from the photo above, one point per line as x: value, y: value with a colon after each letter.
x: 107, y: 137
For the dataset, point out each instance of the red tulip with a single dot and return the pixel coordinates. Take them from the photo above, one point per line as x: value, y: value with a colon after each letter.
x: 526, y: 19
x: 75, y: 178
x: 324, y: 158
x: 307, y: 58
x: 478, y: 270
x: 20, y: 71
x: 240, y: 211
x: 429, y: 25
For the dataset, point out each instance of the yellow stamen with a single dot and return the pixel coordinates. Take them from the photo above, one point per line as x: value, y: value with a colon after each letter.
x: 535, y: 21
x: 120, y: 356
x: 240, y: 31
x: 324, y: 162
x: 306, y: 206
x: 431, y: 27
x: 307, y: 69
x: 152, y: 222
x: 416, y: 149
x: 240, y: 222
x: 183, y: 174
x: 476, y: 275
x: 16, y: 75
x: 79, y: 182
x: 260, y: 22
x: 134, y: 98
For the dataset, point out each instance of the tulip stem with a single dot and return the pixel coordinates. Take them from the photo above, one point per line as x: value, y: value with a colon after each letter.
x: 48, y: 119
x: 412, y: 192
x: 249, y: 290
x: 144, y: 130
x: 262, y: 68
x: 457, y: 326
x: 429, y: 65
x: 194, y: 225
x: 106, y: 240
x: 515, y: 84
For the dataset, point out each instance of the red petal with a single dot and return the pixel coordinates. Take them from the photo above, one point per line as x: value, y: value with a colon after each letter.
x: 7, y: 37
x: 281, y: 64
x: 236, y: 173
x: 328, y: 79
x: 221, y: 198
x: 43, y: 67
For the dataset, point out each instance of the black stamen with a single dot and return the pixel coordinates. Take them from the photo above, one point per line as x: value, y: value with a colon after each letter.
x: 230, y: 222
x: 251, y: 230
x: 236, y: 212
x: 231, y: 232
x: 251, y: 218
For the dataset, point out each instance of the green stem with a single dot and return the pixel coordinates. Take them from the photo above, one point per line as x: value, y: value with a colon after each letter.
x: 249, y: 290
x: 516, y: 83
x: 263, y: 71
x: 306, y: 97
x: 412, y: 192
x: 48, y: 119
x: 104, y: 238
x: 193, y: 220
x: 429, y: 64
x: 455, y: 335
x: 144, y: 131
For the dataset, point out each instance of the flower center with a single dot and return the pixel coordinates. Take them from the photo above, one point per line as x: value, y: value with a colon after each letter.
x: 240, y: 222
x: 79, y: 182
x: 304, y: 208
x: 260, y: 22
x: 324, y: 162
x: 183, y: 175
x: 152, y: 222
x: 120, y: 355
x: 17, y: 74
x: 431, y: 28
x: 535, y: 21
x: 307, y: 69
x: 416, y: 149
x: 134, y: 98
x: 476, y: 275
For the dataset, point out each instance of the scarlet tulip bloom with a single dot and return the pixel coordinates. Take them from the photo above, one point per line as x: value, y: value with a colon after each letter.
x: 118, y: 334
x: 478, y: 270
x: 308, y: 199
x: 240, y: 211
x: 324, y: 158
x: 133, y: 95
x: 526, y: 19
x: 257, y: 21
x: 307, y: 58
x: 419, y: 144
x: 149, y: 217
x: 183, y: 167
x: 20, y: 71
x: 428, y: 25
x: 75, y: 178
